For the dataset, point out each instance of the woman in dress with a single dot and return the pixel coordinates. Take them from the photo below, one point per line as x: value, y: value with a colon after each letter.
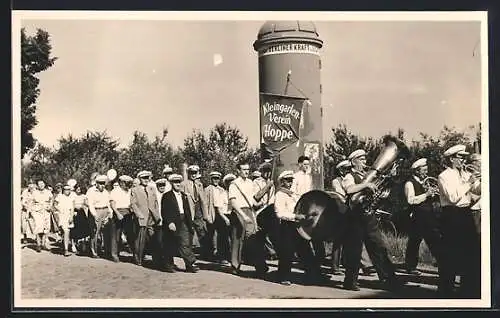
x: 66, y: 210
x: 40, y: 212
x: 81, y: 231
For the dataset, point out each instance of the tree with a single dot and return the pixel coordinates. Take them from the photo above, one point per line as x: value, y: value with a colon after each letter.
x: 35, y: 58
x: 218, y: 150
x: 143, y: 154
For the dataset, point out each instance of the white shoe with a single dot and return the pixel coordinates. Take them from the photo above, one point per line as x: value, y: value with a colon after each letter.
x: 73, y: 249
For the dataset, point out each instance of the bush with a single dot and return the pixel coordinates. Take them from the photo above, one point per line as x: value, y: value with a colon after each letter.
x: 396, y: 246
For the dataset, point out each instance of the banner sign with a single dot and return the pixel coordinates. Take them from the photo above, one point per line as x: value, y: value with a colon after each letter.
x: 280, y: 119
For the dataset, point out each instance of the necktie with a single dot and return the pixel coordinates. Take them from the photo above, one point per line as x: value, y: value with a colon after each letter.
x: 195, y: 192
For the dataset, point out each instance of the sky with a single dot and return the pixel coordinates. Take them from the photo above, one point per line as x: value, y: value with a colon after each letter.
x: 122, y: 76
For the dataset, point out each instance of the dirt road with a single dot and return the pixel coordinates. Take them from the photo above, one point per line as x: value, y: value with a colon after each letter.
x: 50, y: 275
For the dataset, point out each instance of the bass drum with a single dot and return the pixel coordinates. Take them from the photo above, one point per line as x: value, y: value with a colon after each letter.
x: 324, y: 216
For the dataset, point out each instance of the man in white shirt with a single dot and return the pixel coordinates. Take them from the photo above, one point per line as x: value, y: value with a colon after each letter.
x: 218, y: 214
x: 100, y: 211
x: 166, y: 173
x: 459, y: 235
x: 287, y: 230
x: 302, y: 179
x: 424, y: 222
x: 122, y: 220
x: 244, y: 223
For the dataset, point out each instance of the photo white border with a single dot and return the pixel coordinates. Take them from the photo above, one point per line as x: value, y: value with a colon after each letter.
x: 480, y: 16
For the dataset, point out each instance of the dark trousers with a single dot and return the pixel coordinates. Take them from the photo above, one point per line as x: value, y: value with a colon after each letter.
x: 223, y: 234
x: 268, y: 223
x: 319, y: 250
x: 178, y: 242
x: 364, y: 228
x: 125, y: 225
x: 204, y: 239
x: 151, y: 236
x: 253, y: 244
x: 424, y: 226
x: 287, y: 246
x: 336, y: 256
x: 461, y: 252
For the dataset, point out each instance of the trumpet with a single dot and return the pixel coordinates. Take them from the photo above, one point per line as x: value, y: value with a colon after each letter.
x: 430, y: 184
x: 473, y: 169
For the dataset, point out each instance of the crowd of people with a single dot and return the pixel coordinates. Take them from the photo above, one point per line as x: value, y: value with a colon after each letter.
x: 247, y: 218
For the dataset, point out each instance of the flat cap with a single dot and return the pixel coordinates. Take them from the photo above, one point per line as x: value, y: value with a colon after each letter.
x: 101, y: 178
x: 167, y: 169
x: 229, y: 177
x: 256, y: 174
x: 356, y: 154
x: 126, y: 178
x: 215, y: 174
x: 343, y: 164
x: 419, y: 163
x: 161, y: 181
x: 457, y: 149
x: 175, y: 177
x: 144, y: 173
x: 193, y: 168
x: 287, y: 174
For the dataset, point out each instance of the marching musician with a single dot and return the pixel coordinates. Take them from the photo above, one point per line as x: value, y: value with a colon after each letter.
x: 363, y: 227
x: 264, y: 192
x: 287, y: 231
x: 459, y: 235
x: 342, y: 170
x: 475, y: 163
x: 244, y: 223
x: 424, y: 221
x: 302, y: 183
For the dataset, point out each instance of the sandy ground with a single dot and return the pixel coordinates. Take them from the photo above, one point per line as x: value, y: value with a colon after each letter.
x: 51, y: 275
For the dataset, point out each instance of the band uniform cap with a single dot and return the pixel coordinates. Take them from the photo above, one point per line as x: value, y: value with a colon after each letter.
x: 287, y: 174
x: 215, y: 174
x: 343, y: 163
x: 67, y: 187
x: 256, y: 174
x: 356, y: 154
x: 229, y: 177
x: 457, y: 149
x: 126, y: 178
x: 144, y: 173
x: 193, y: 168
x: 101, y: 178
x: 175, y: 177
x: 419, y: 163
x: 161, y: 181
x: 167, y: 169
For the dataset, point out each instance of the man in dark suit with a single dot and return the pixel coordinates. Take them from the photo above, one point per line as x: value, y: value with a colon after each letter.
x: 177, y: 227
x: 144, y: 204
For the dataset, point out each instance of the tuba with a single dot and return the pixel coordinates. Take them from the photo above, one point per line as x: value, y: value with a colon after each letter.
x: 381, y: 173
